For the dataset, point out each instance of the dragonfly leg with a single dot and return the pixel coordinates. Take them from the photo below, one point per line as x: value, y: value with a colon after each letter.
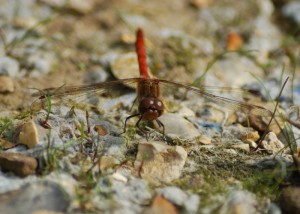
x: 127, y: 118
x: 160, y: 124
x: 138, y: 124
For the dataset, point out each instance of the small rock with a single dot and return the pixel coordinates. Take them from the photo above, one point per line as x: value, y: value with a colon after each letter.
x: 291, y: 9
x: 178, y: 126
x: 128, y: 38
x: 162, y: 205
x: 190, y: 202
x: 6, y: 84
x: 128, y: 196
x: 240, y: 202
x: 102, y: 131
x: 204, y: 140
x: 271, y: 143
x: 243, y: 146
x: 250, y: 138
x: 261, y: 123
x: 119, y: 177
x: 199, y: 4
x: 25, y: 22
x: 95, y: 74
x: 252, y: 135
x: 158, y: 162
x: 125, y: 66
x: 41, y: 64
x: 289, y: 200
x: 230, y: 151
x: 19, y: 164
x: 234, y: 42
x: 107, y: 162
x: 47, y: 196
x: 9, y: 66
x: 28, y: 134
x: 80, y: 6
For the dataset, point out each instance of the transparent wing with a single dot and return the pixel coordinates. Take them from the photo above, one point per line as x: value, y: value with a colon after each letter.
x: 80, y: 95
x: 229, y: 103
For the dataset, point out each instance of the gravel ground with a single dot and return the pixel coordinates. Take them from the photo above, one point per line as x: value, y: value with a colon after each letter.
x: 214, y: 156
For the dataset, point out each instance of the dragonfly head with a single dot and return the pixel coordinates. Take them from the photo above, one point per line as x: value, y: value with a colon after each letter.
x: 151, y: 108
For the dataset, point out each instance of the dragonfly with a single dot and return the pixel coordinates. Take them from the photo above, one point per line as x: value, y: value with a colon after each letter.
x: 148, y: 92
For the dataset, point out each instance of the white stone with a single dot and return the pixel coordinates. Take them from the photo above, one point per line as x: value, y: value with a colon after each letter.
x: 158, y: 162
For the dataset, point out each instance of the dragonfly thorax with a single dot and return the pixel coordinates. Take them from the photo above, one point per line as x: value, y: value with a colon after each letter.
x: 151, y: 108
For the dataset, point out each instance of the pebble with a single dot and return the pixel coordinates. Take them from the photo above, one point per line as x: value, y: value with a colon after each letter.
x: 28, y: 134
x: 35, y: 197
x: 125, y: 66
x: 158, y: 162
x: 40, y: 63
x: 204, y: 140
x: 6, y: 85
x: 9, y: 66
x: 129, y: 196
x: 291, y: 9
x: 101, y: 130
x: 107, y: 162
x: 83, y: 7
x: 190, y: 202
x: 199, y: 4
x: 250, y: 136
x: 289, y: 199
x: 95, y: 74
x: 234, y: 42
x: 176, y: 125
x: 239, y: 202
x: 271, y: 143
x: 17, y: 163
x: 243, y: 146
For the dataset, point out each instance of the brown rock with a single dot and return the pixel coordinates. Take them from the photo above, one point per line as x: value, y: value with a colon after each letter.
x: 261, y: 123
x: 6, y: 84
x: 234, y: 41
x: 28, y: 134
x: 102, y: 131
x: 253, y: 136
x: 204, y: 140
x: 19, y: 164
x: 162, y: 205
x: 242, y: 146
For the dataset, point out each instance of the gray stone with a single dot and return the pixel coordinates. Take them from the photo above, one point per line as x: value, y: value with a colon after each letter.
x: 240, y: 202
x: 129, y: 196
x: 177, y: 126
x: 34, y: 197
x: 291, y: 9
x: 9, y: 66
